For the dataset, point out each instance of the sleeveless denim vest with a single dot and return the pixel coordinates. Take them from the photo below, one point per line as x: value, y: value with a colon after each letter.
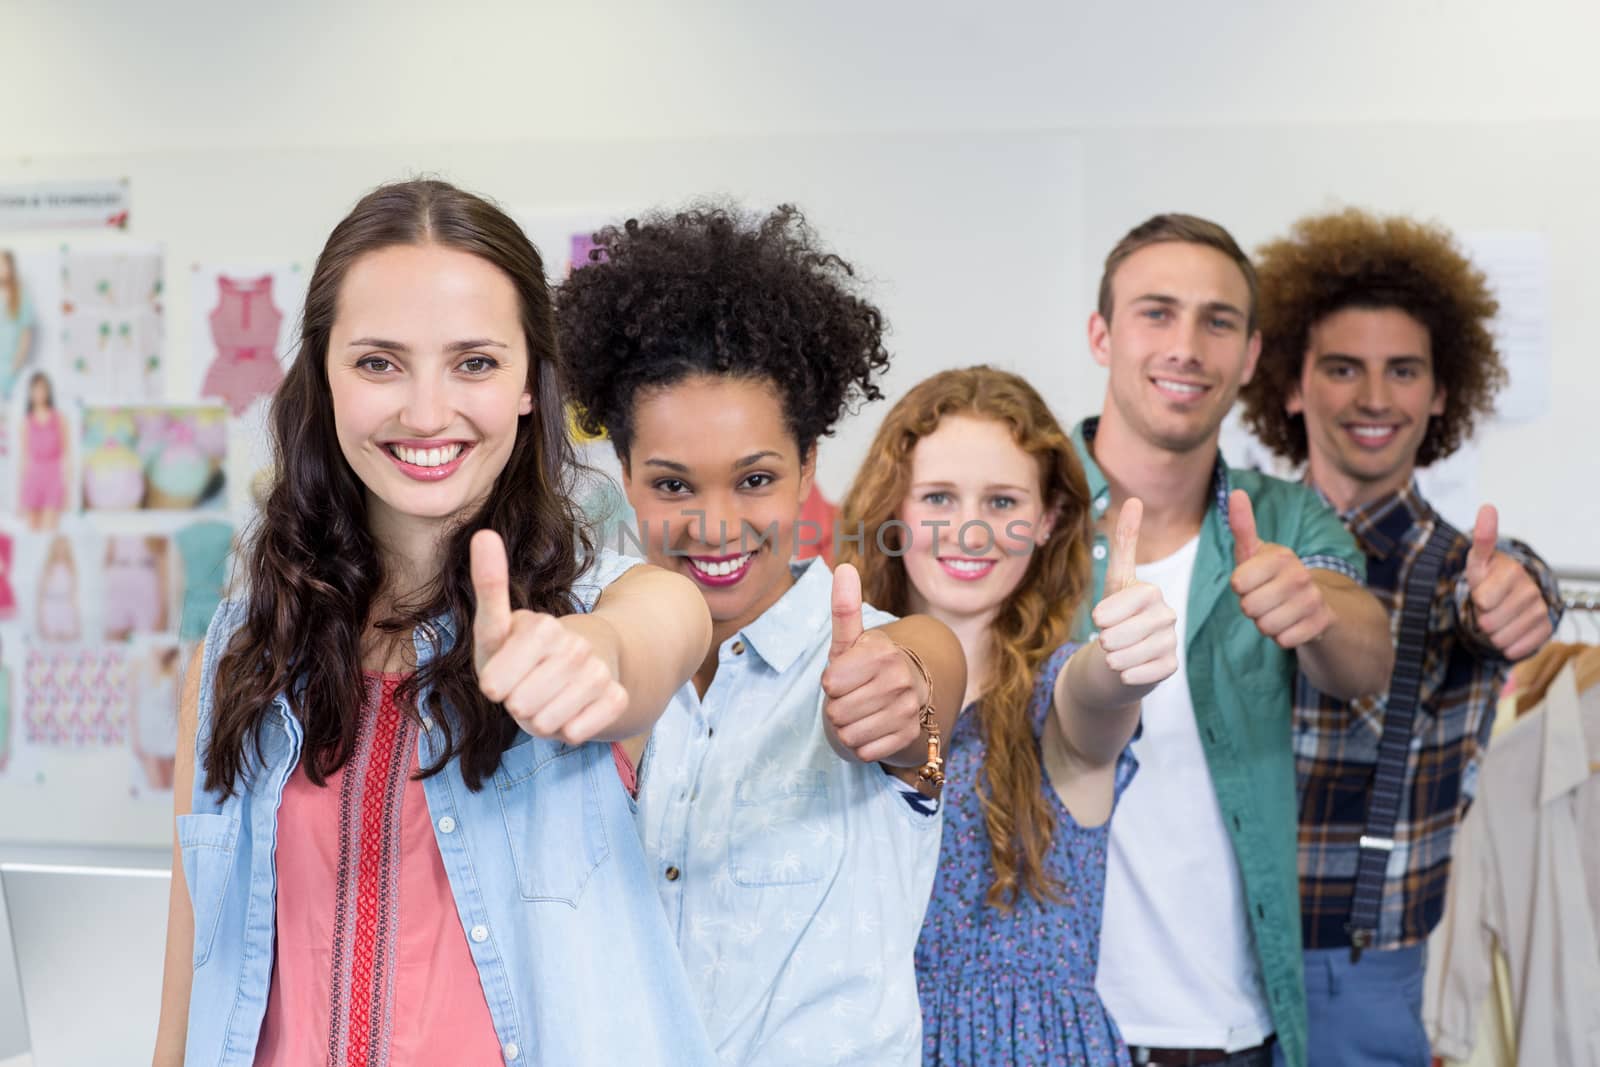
x: 548, y: 874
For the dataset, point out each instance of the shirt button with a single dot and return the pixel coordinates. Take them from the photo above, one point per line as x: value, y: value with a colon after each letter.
x: 427, y: 723
x: 511, y: 1050
x: 672, y: 874
x: 738, y: 648
x: 480, y: 933
x: 1100, y: 503
x: 447, y: 825
x: 1099, y: 551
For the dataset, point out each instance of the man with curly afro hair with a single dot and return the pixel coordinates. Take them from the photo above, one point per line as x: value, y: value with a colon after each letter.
x: 777, y: 799
x: 1377, y: 359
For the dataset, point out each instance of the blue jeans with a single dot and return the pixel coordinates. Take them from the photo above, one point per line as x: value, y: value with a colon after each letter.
x: 1366, y: 1014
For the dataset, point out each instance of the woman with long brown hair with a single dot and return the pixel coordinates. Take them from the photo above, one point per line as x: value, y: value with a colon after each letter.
x: 974, y: 510
x: 396, y: 843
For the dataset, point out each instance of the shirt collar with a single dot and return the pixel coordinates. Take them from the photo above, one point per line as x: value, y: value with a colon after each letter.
x: 1564, y: 763
x: 1380, y: 526
x: 789, y: 627
x: 1100, y: 489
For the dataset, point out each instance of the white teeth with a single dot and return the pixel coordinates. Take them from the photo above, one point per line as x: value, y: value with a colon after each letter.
x: 426, y: 457
x: 720, y: 569
x: 1373, y: 432
x: 1180, y: 387
x: 968, y: 566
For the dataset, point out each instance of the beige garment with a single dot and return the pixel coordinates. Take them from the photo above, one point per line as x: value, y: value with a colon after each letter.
x: 1496, y: 1045
x: 1527, y: 875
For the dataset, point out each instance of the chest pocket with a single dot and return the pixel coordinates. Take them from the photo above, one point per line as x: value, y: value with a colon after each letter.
x: 555, y: 826
x: 784, y: 830
x: 208, y: 843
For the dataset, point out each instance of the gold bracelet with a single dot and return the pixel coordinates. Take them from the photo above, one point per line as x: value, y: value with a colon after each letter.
x: 933, y: 770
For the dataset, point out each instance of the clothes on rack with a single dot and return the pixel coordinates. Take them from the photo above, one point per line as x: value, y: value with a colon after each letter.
x: 1496, y: 1043
x: 1527, y: 877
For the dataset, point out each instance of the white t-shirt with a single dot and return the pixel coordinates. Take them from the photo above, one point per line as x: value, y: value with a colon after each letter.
x: 1177, y: 968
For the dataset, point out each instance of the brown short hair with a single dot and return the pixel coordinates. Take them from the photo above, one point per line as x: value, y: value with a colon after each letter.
x: 1354, y: 259
x: 1190, y: 229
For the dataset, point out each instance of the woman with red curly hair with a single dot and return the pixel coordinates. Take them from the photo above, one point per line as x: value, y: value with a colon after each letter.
x: 1376, y: 360
x: 977, y: 513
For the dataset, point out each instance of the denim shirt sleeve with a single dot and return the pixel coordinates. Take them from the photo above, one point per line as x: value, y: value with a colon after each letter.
x: 606, y: 567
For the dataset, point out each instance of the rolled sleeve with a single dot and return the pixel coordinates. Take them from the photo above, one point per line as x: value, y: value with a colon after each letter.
x: 1322, y: 541
x: 1538, y: 570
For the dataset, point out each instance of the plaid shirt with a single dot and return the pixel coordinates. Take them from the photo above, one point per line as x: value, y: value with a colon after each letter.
x: 1336, y: 741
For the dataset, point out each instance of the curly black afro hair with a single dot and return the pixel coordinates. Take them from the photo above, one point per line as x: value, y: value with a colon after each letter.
x: 1352, y: 259
x: 710, y: 291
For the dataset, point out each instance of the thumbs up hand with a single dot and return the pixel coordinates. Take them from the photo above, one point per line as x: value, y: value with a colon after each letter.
x: 1138, y: 629
x: 1275, y: 589
x: 874, y: 696
x: 550, y: 678
x: 1509, y: 607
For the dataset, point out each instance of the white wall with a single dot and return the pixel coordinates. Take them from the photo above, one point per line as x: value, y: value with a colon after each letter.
x: 108, y: 76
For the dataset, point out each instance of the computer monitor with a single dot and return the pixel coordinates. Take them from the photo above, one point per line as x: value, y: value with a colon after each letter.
x: 90, y: 943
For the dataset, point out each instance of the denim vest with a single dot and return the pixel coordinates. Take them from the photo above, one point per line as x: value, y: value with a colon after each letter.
x: 548, y: 875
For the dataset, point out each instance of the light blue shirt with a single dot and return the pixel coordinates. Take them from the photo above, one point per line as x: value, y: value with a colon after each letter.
x: 794, y: 880
x: 552, y: 888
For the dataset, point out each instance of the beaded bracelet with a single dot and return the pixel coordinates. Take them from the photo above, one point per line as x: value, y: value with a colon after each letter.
x: 933, y: 770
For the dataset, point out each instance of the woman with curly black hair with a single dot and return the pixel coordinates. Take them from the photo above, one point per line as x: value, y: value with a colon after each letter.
x: 793, y: 858
x: 1377, y: 359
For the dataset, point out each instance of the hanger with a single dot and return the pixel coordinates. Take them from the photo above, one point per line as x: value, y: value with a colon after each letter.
x: 1535, y: 673
x: 1586, y: 664
x: 1588, y: 667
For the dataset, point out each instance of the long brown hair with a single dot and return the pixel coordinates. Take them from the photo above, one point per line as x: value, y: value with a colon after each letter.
x: 1032, y: 623
x: 311, y: 569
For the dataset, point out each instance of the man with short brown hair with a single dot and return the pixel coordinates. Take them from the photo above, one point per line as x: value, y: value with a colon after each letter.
x: 1200, y: 949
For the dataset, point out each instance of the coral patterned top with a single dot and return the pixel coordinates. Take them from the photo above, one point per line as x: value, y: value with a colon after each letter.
x: 372, y: 966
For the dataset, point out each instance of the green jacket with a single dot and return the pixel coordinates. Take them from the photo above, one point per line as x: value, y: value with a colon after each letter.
x: 1242, y: 687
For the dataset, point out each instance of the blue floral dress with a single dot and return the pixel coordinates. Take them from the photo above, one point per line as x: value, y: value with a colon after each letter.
x: 1015, y: 987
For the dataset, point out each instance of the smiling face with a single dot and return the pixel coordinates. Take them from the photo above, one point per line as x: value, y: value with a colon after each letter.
x: 428, y: 369
x: 1367, y: 391
x: 976, y: 511
x: 717, y: 481
x: 1178, y: 344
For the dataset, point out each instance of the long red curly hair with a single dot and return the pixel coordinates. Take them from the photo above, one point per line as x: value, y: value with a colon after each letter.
x: 1035, y: 618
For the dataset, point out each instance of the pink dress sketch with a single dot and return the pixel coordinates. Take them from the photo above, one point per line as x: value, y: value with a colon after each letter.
x: 244, y: 325
x: 58, y: 602
x: 133, y: 595
x: 8, y: 593
x: 44, y: 486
